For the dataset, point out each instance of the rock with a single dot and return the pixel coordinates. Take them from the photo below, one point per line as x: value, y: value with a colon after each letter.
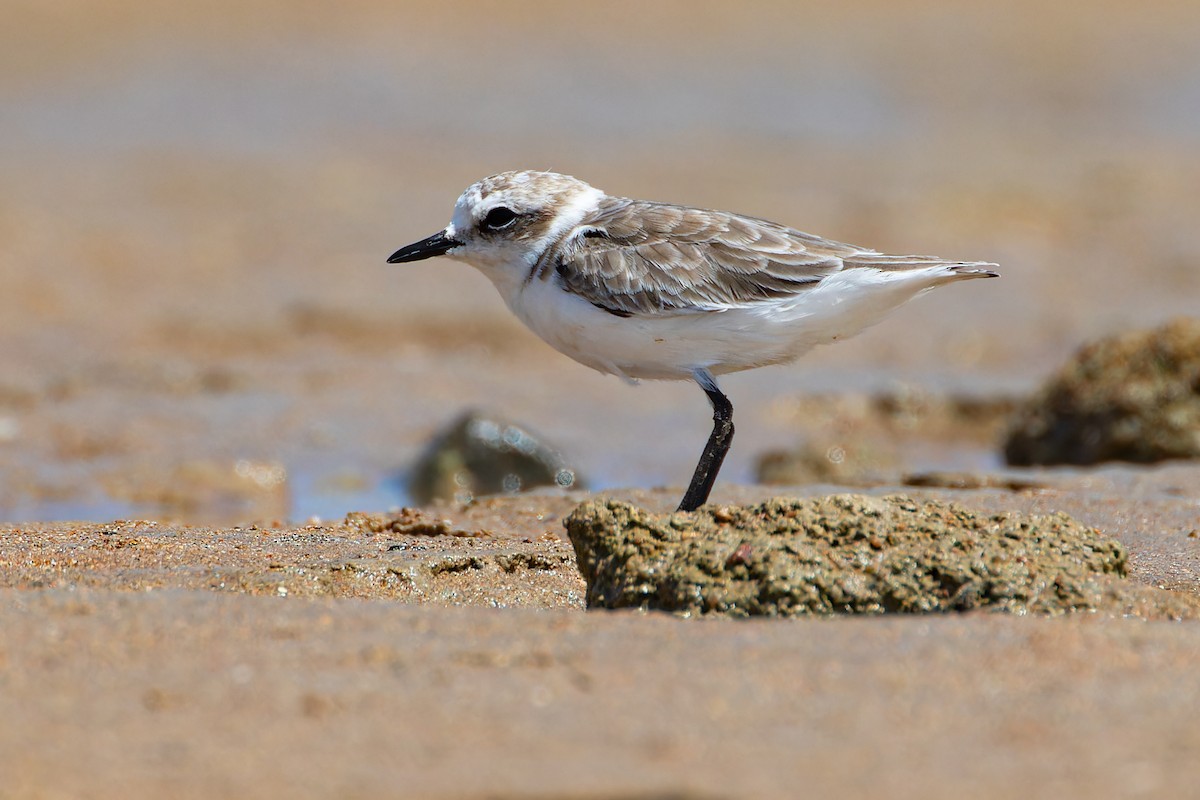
x: 853, y: 463
x: 846, y: 554
x: 943, y: 479
x: 856, y: 439
x: 1133, y: 397
x: 900, y: 411
x: 482, y: 454
x: 203, y: 489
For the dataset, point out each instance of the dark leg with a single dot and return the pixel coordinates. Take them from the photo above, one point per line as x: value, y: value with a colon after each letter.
x: 717, y: 447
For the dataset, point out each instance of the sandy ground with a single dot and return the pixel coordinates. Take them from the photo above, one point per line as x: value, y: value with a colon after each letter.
x: 199, y: 337
x: 148, y: 659
x: 195, y: 694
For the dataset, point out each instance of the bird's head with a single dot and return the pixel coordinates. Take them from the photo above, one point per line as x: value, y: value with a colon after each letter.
x: 503, y: 224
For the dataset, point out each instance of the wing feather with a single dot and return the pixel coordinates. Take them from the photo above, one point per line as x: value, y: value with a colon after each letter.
x: 639, y: 257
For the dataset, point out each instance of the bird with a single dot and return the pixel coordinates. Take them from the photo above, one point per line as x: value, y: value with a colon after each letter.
x: 658, y: 291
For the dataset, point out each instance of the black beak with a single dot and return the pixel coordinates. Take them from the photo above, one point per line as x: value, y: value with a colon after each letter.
x: 436, y: 245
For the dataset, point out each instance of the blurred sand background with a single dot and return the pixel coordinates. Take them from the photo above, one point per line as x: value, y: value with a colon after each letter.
x: 199, y: 327
x: 198, y: 201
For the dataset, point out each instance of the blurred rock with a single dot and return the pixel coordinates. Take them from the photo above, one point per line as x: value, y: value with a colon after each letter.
x: 904, y: 410
x: 915, y: 409
x: 481, y: 454
x: 858, y: 463
x: 848, y: 554
x: 857, y: 439
x: 944, y: 479
x: 207, y: 491
x: 1133, y: 397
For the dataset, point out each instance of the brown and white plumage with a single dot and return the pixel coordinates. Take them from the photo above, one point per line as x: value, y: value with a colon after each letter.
x: 639, y: 257
x: 653, y: 290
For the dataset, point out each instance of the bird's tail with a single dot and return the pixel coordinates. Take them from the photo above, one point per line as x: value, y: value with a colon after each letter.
x: 954, y: 269
x: 974, y: 269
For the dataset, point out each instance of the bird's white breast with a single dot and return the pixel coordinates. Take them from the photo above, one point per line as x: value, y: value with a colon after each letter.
x: 671, y: 346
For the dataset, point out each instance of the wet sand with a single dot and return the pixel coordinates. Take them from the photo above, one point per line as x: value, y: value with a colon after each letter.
x: 203, y: 355
x: 147, y: 658
x: 191, y: 694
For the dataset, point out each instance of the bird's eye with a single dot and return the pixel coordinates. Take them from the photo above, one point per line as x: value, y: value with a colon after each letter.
x: 499, y: 217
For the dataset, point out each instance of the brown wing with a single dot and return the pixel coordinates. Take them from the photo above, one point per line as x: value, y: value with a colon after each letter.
x: 637, y: 257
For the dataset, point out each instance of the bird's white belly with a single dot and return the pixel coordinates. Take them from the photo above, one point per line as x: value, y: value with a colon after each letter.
x: 671, y: 346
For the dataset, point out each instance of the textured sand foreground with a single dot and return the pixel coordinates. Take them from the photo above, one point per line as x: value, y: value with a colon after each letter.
x: 193, y: 694
x: 144, y: 659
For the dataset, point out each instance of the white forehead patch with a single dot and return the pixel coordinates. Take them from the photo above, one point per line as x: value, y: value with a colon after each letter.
x: 461, y: 220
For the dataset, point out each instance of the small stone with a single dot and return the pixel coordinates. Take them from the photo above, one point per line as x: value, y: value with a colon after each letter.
x: 481, y: 454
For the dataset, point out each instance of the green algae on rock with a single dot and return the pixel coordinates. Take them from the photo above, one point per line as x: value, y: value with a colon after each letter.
x: 841, y: 554
x: 1133, y: 397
